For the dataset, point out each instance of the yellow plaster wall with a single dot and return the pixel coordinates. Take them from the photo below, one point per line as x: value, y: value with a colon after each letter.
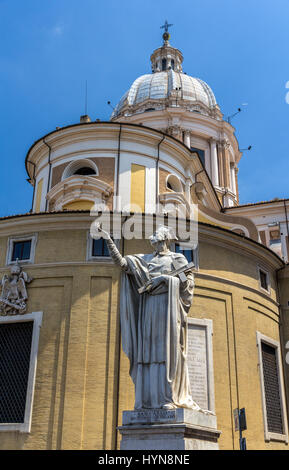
x: 137, y: 190
x: 38, y: 195
x: 78, y: 205
x: 202, y: 218
x: 82, y: 382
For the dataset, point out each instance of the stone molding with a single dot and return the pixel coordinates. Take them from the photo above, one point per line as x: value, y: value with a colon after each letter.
x: 78, y: 188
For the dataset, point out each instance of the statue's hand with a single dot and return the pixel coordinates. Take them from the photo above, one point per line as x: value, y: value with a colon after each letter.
x: 156, y: 281
x: 102, y: 232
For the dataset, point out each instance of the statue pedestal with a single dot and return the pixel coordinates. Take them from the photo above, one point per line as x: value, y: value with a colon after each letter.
x: 178, y: 429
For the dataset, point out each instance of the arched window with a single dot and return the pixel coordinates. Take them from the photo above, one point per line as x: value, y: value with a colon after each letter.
x: 173, y: 64
x: 82, y: 167
x: 164, y: 64
x: 174, y: 183
x: 85, y: 170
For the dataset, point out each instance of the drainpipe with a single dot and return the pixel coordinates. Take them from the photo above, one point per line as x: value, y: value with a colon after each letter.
x: 117, y: 167
x: 198, y: 174
x: 49, y: 172
x: 157, y: 169
x: 34, y: 180
x: 287, y: 225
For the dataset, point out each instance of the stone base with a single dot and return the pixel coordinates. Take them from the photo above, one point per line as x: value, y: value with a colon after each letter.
x: 178, y: 429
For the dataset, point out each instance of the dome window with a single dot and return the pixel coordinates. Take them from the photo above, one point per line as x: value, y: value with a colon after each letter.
x: 164, y: 64
x: 83, y: 167
x: 174, y: 184
x: 173, y: 64
x: 85, y: 170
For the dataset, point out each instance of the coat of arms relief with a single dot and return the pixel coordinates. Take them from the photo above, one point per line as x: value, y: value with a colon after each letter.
x: 13, y: 299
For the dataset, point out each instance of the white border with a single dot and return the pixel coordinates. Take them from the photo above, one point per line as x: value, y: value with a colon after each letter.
x: 179, y: 183
x: 208, y: 326
x: 36, y: 317
x: 270, y: 436
x: 33, y: 237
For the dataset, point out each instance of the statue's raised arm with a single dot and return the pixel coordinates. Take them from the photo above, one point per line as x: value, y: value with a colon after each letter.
x: 112, y: 248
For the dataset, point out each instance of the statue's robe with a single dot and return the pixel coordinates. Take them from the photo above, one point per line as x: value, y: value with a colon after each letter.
x: 154, y: 331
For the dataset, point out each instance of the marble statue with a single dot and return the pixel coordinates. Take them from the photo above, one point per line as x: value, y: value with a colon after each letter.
x: 156, y: 294
x: 14, y: 294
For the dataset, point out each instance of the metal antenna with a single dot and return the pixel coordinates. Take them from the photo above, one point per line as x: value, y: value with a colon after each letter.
x: 233, y: 115
x: 85, y: 108
x: 109, y: 104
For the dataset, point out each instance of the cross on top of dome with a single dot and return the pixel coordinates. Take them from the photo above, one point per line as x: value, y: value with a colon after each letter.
x: 166, y: 26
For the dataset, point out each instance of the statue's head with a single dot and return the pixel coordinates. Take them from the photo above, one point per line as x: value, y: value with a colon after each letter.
x: 162, y: 238
x: 15, y: 269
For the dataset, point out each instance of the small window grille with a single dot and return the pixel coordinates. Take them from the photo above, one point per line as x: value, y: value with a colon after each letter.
x: 272, y: 389
x: 15, y: 350
x: 21, y: 250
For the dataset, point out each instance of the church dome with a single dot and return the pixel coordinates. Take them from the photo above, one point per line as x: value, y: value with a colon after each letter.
x: 166, y: 86
x: 163, y: 85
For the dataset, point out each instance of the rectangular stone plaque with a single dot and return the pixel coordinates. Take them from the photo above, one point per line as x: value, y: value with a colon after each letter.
x: 152, y: 416
x: 200, y: 362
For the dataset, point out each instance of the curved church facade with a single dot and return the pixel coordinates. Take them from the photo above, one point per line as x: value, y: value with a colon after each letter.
x: 65, y: 378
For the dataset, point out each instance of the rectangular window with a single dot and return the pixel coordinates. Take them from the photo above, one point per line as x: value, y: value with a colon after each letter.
x: 19, y: 337
x: 263, y: 279
x: 185, y: 251
x: 15, y: 350
x: 201, y: 154
x: 190, y: 253
x: 96, y: 249
x: 21, y: 250
x: 99, y: 248
x: 21, y: 247
x: 272, y: 388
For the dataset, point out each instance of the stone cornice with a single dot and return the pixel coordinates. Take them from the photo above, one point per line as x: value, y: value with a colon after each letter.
x: 81, y: 220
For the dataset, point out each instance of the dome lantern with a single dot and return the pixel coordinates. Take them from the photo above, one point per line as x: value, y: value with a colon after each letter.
x: 166, y: 57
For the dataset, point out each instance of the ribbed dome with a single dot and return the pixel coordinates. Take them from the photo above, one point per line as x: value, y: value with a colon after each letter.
x: 162, y: 85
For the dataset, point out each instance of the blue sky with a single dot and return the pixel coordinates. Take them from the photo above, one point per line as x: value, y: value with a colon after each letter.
x: 48, y: 49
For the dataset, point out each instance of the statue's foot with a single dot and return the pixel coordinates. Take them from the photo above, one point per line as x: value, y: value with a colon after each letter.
x: 168, y: 406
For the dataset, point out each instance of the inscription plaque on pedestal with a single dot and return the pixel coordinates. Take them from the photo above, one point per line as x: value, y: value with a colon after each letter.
x: 200, y: 362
